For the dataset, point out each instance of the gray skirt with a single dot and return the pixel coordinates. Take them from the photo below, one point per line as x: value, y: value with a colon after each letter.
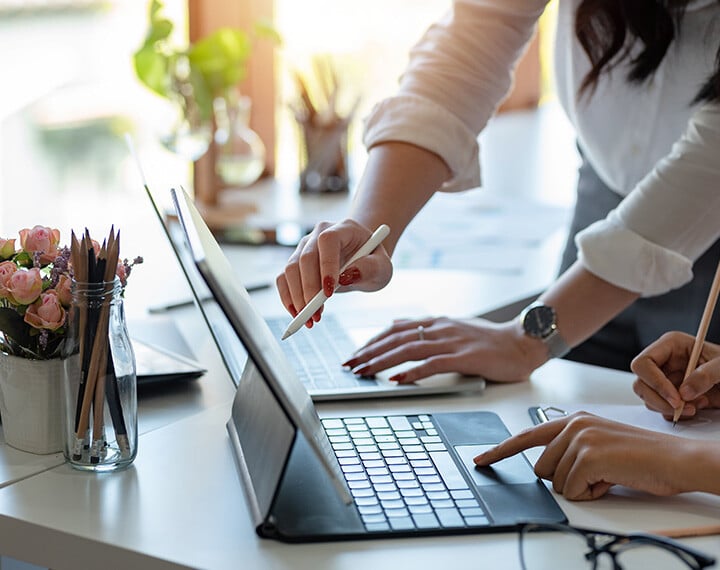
x: 618, y: 342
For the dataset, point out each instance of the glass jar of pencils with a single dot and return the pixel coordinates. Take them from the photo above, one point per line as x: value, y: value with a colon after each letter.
x: 100, y: 383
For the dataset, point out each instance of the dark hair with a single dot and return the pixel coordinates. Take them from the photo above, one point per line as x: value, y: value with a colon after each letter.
x: 603, y: 26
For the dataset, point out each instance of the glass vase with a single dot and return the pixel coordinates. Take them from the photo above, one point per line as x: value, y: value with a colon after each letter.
x: 190, y: 131
x: 240, y: 156
x: 189, y: 136
x: 100, y: 383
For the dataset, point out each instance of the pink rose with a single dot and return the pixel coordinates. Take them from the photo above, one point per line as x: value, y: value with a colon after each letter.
x: 64, y: 290
x: 7, y: 268
x: 42, y: 240
x: 7, y: 248
x: 24, y: 286
x: 121, y: 272
x: 46, y: 313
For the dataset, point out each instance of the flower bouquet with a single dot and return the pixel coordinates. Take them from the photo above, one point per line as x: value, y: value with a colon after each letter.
x: 35, y: 292
x: 38, y: 333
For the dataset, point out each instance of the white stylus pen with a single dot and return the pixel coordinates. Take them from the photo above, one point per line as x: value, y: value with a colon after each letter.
x: 317, y: 301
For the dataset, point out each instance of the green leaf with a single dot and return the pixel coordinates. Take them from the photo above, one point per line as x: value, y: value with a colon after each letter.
x: 265, y: 30
x: 220, y: 58
x: 159, y: 31
x: 151, y: 68
x: 13, y: 325
x: 23, y: 259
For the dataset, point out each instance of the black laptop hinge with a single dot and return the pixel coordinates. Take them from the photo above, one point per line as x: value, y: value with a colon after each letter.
x: 268, y: 528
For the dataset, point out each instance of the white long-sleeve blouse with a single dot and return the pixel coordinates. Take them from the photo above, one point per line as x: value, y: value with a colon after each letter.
x: 647, y: 142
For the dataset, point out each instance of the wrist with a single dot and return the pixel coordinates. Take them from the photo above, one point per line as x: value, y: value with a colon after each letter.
x: 533, y: 351
x: 539, y: 322
x: 702, y: 466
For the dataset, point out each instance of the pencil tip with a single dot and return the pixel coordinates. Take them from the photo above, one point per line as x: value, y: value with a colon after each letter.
x: 286, y: 334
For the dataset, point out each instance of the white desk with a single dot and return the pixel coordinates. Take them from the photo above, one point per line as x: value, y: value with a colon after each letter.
x: 157, y: 406
x: 181, y: 504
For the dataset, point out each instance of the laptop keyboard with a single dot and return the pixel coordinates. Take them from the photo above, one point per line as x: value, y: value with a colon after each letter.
x: 401, y: 475
x: 317, y: 356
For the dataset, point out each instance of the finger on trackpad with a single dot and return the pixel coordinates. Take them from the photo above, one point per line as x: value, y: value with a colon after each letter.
x: 510, y: 471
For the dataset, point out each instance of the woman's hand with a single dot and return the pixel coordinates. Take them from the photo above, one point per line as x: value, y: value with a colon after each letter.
x: 661, y: 368
x: 586, y: 455
x: 499, y: 352
x: 317, y: 260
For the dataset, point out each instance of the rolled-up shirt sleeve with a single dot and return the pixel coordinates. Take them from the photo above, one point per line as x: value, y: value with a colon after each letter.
x: 458, y: 74
x: 649, y: 243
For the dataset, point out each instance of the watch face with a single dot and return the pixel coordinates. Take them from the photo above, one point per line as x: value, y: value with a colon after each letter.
x: 539, y: 321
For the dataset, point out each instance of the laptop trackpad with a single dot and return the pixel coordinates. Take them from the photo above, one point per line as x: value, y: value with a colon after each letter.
x: 510, y: 471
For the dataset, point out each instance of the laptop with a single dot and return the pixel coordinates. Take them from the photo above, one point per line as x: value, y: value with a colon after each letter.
x: 307, y: 479
x: 316, y: 355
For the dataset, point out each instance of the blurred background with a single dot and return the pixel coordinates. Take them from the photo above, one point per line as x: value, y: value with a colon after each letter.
x: 70, y: 93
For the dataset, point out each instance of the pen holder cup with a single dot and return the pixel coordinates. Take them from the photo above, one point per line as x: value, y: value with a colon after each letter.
x: 324, y: 157
x: 99, y: 383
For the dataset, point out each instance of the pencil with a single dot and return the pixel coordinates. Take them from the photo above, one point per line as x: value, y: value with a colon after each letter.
x: 700, y: 336
x: 690, y: 532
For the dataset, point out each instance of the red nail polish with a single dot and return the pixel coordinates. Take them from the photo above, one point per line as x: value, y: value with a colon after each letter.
x: 328, y: 285
x: 398, y: 377
x: 349, y: 276
x: 362, y: 371
x: 293, y: 310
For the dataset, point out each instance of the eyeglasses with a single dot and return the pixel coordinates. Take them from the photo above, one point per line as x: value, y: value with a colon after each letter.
x: 571, y: 547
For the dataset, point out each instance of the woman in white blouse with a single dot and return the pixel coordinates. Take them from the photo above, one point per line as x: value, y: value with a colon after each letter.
x: 640, y: 81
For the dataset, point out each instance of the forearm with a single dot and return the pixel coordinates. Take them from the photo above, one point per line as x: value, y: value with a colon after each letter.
x: 397, y: 182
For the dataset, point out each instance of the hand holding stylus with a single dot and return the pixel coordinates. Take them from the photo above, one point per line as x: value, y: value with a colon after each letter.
x: 317, y: 301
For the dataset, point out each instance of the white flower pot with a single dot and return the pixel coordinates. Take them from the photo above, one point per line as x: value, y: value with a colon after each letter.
x: 31, y: 409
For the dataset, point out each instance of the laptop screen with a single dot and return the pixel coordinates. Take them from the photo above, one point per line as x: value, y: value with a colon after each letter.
x: 262, y: 347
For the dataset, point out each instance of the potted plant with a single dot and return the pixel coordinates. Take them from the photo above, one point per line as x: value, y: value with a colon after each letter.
x: 199, y: 78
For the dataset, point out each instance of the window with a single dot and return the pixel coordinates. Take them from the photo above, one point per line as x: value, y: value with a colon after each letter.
x: 70, y: 97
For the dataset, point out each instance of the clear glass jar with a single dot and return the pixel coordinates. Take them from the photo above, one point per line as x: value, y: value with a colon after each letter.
x: 100, y: 382
x: 240, y: 157
x: 189, y: 133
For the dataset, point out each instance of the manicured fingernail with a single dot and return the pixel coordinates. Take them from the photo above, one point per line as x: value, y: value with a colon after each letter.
x: 316, y: 316
x: 328, y: 285
x: 362, y: 370
x: 309, y: 323
x: 349, y: 363
x: 398, y: 377
x: 349, y: 276
x: 293, y: 310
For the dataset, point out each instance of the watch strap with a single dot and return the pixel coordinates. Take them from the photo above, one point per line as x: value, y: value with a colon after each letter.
x: 557, y: 347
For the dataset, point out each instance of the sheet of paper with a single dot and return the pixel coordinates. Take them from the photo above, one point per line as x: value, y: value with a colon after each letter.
x: 706, y: 425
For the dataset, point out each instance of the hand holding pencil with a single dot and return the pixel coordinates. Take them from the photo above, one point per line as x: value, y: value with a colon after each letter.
x: 701, y: 333
x: 667, y: 379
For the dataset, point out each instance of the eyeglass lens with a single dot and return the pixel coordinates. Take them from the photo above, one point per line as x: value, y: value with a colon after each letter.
x: 543, y: 550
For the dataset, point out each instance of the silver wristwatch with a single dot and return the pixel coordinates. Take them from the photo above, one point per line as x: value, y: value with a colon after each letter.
x: 540, y: 321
